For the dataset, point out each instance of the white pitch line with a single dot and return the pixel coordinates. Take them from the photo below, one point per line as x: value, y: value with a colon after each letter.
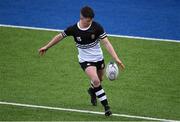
x: 113, y: 35
x: 31, y: 28
x: 84, y: 111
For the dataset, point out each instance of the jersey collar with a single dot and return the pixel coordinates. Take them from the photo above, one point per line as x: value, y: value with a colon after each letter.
x: 83, y: 29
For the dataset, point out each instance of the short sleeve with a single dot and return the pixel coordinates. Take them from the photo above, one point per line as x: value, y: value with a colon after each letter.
x: 67, y: 32
x: 101, y: 33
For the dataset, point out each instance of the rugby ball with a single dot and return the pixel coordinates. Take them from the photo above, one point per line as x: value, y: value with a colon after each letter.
x: 112, y: 71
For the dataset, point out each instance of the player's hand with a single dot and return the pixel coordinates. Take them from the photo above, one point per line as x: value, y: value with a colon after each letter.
x: 43, y: 50
x: 120, y: 64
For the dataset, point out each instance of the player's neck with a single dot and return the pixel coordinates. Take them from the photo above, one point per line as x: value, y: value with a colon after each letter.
x: 84, y: 26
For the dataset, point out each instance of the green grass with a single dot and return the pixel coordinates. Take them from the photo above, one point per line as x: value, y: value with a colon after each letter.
x: 150, y: 85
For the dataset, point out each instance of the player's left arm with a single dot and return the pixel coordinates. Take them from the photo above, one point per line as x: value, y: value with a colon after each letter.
x: 112, y: 52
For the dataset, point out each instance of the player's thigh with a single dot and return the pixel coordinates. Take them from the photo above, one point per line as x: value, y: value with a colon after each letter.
x: 91, y: 72
x: 100, y: 74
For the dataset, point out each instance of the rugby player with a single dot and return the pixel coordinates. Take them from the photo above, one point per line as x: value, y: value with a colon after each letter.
x: 87, y: 35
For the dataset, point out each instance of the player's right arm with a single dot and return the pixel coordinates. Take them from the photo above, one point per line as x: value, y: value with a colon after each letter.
x: 67, y: 32
x: 54, y: 41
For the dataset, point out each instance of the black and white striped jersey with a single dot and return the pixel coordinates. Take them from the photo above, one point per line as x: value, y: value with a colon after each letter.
x: 87, y: 41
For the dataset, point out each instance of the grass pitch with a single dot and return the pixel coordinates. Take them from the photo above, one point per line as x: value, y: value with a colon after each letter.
x: 150, y: 85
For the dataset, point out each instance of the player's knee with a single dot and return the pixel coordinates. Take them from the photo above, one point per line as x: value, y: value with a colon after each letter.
x: 96, y: 82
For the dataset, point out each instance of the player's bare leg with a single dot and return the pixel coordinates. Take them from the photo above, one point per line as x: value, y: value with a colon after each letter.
x: 92, y: 74
x: 100, y: 74
x: 90, y: 90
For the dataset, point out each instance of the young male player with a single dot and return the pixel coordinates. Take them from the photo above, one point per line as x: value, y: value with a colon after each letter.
x: 87, y: 34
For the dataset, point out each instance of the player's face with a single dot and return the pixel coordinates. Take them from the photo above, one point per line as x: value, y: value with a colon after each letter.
x: 85, y: 21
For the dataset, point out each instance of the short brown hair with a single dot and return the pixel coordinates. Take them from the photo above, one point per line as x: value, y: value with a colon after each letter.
x: 87, y: 12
